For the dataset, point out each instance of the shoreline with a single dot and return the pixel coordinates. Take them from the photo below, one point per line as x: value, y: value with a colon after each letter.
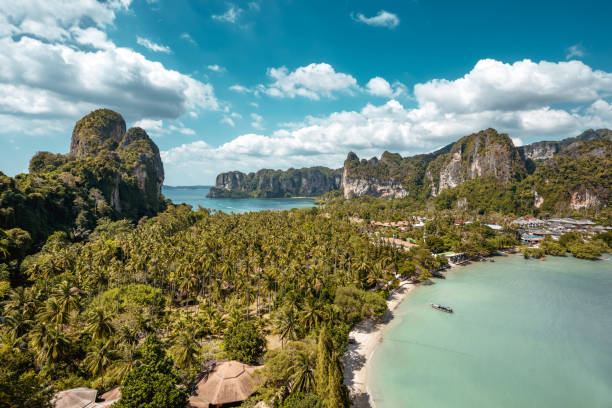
x: 367, y: 335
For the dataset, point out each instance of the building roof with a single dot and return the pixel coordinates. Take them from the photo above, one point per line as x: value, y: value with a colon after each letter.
x: 80, y: 397
x: 230, y: 381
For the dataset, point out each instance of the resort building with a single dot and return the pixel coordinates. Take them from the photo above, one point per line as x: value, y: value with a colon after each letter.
x: 528, y: 222
x: 227, y: 385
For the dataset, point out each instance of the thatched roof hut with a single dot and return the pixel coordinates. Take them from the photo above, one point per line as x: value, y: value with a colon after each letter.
x: 229, y: 382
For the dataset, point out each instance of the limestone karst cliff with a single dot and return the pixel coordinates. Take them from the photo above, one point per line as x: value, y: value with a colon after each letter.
x: 109, y: 172
x: 552, y: 174
x: 306, y: 182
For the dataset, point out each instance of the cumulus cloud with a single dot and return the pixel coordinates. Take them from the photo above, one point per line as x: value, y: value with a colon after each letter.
x: 145, y: 42
x: 257, y: 121
x: 575, y: 50
x: 378, y: 86
x: 434, y: 122
x: 70, y: 67
x: 494, y: 85
x: 312, y: 81
x: 230, y: 16
x: 158, y: 128
x: 382, y: 19
x: 50, y: 20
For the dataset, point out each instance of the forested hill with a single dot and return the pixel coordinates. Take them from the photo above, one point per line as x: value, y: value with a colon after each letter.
x: 109, y: 172
x: 306, y: 182
x: 486, y: 172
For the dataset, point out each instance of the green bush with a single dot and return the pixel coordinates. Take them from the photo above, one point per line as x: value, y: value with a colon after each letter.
x: 244, y: 342
x: 356, y: 304
x: 154, y: 383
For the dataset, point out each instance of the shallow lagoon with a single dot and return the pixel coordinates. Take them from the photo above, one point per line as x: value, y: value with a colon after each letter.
x: 525, y: 333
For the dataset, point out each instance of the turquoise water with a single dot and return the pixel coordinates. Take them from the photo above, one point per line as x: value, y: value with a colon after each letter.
x: 196, y: 196
x: 525, y: 333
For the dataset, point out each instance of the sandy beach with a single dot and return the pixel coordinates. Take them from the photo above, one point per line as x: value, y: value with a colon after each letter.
x: 367, y: 335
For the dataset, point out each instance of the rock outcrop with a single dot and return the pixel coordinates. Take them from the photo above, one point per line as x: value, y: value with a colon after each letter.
x: 483, y: 154
x: 306, y: 182
x: 548, y: 149
x: 369, y: 177
x: 551, y: 172
x: 134, y: 185
x: 109, y: 172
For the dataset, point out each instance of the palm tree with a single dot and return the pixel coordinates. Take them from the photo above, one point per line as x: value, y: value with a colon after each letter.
x: 53, y: 313
x: 50, y: 345
x: 128, y: 359
x: 185, y: 350
x: 67, y: 298
x: 311, y: 314
x: 303, y: 379
x: 99, y: 358
x: 99, y: 324
x: 286, y: 324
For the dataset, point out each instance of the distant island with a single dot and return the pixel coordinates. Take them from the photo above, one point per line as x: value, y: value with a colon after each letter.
x: 306, y: 182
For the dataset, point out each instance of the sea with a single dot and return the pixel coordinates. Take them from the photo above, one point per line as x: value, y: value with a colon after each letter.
x: 524, y: 333
x: 196, y: 196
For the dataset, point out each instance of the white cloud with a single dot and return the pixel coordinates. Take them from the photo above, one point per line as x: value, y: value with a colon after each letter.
x: 575, y: 50
x: 216, y: 68
x: 382, y: 19
x: 187, y: 37
x: 150, y: 125
x: 228, y: 121
x: 230, y: 16
x: 50, y: 20
x: 431, y: 124
x: 93, y: 37
x: 494, y: 85
x: 158, y: 128
x: 258, y: 121
x: 68, y: 67
x: 239, y: 89
x: 145, y: 42
x: 378, y: 86
x: 312, y: 81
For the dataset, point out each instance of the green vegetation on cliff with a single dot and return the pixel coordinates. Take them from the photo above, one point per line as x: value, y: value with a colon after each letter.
x: 108, y: 173
x: 266, y: 183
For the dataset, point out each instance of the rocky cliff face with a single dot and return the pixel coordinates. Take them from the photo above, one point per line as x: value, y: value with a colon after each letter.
x: 109, y: 172
x: 568, y: 174
x: 369, y: 177
x: 133, y: 187
x: 548, y: 149
x: 306, y: 182
x: 483, y: 154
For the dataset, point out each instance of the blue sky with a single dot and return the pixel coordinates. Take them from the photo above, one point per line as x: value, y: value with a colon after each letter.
x: 224, y: 85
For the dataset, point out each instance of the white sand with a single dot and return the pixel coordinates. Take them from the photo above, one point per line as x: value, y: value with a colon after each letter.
x: 367, y: 335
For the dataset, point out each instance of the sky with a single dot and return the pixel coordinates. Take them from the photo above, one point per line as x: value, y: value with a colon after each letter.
x: 228, y: 85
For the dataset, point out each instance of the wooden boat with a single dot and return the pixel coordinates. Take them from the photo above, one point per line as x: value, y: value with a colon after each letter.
x: 442, y: 308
